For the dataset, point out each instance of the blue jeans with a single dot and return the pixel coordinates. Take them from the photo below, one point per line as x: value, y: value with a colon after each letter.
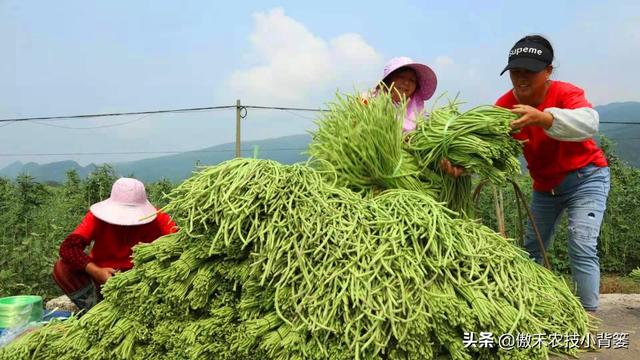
x: 583, y: 193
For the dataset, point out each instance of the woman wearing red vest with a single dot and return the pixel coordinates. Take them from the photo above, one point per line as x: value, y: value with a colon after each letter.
x: 569, y: 170
x: 114, y: 226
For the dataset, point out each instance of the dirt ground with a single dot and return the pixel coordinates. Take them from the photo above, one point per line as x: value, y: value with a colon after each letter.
x: 620, y: 313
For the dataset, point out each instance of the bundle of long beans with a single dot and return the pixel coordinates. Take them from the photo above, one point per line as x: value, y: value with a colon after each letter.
x: 273, y: 262
x: 363, y: 142
x: 478, y: 139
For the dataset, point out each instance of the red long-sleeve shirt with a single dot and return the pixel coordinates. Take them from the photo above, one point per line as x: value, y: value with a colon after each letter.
x: 113, y: 244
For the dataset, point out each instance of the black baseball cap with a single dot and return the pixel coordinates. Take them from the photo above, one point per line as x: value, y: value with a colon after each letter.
x: 529, y: 55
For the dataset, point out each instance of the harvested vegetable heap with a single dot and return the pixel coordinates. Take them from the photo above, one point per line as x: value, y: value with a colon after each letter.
x: 274, y: 262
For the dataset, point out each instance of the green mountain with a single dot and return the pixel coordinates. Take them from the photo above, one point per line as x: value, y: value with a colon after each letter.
x: 12, y: 170
x: 289, y: 150
x: 50, y: 172
x: 626, y: 136
x: 620, y: 111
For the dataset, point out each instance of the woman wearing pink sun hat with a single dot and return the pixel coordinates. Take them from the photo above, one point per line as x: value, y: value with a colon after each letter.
x: 114, y: 225
x: 414, y: 81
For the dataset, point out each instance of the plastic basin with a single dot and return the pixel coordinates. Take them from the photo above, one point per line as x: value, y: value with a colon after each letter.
x: 19, y: 310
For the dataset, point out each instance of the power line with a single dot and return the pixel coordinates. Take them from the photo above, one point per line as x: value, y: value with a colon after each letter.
x: 282, y: 108
x: 222, y: 107
x: 298, y: 115
x: 84, y: 116
x: 92, y: 127
x: 225, y: 107
x: 117, y: 114
x: 620, y: 122
x: 10, y: 122
x: 151, y: 152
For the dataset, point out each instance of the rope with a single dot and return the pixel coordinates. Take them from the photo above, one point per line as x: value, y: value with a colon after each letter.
x: 522, y: 202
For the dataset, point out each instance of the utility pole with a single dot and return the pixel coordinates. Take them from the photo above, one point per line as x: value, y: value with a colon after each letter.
x: 238, y: 128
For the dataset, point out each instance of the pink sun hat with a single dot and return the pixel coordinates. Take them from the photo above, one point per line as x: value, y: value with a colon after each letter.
x: 427, y: 80
x: 127, y: 204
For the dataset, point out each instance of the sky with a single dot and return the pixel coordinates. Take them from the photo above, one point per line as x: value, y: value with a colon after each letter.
x: 87, y: 57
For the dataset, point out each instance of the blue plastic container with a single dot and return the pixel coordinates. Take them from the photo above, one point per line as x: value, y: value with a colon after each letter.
x: 58, y: 314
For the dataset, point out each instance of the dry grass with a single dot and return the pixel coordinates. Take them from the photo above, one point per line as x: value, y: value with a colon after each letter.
x: 613, y: 284
x: 616, y: 284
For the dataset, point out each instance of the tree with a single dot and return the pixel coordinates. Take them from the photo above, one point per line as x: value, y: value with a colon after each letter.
x: 30, y: 194
x: 72, y: 201
x: 99, y: 183
x: 6, y: 194
x: 156, y: 191
x: 7, y: 205
x: 72, y: 183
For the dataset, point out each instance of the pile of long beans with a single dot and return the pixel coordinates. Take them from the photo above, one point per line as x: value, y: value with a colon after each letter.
x: 274, y: 262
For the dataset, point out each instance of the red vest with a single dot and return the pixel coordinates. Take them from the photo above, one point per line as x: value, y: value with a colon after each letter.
x: 549, y: 160
x: 113, y: 244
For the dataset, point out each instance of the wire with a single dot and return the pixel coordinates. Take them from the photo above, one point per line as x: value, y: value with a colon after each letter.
x: 93, y: 127
x: 223, y: 107
x: 283, y: 108
x: 117, y: 114
x: 298, y: 115
x: 155, y: 112
x: 104, y: 126
x: 151, y: 152
x: 620, y: 122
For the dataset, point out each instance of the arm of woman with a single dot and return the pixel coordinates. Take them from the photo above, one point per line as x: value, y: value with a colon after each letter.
x: 167, y: 225
x: 573, y: 119
x: 72, y: 251
x: 573, y: 124
x: 73, y: 247
x: 452, y: 170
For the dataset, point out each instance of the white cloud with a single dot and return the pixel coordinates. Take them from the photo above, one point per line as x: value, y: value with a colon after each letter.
x: 297, y: 67
x: 473, y: 81
x: 442, y: 62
